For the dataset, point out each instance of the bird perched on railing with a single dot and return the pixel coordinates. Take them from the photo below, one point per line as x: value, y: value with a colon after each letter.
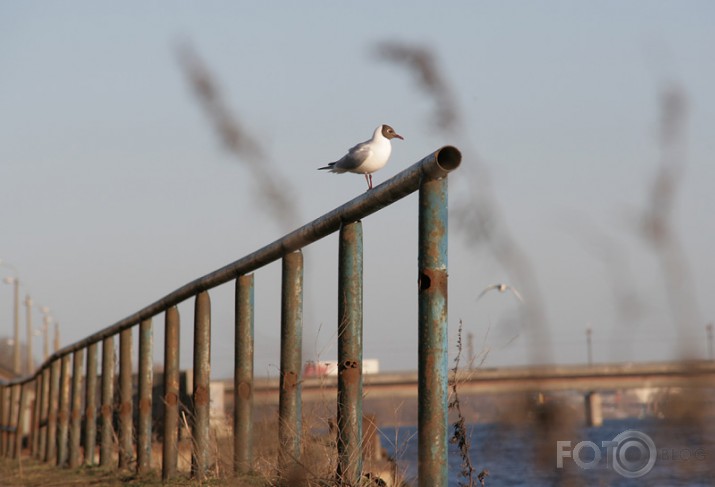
x: 369, y: 156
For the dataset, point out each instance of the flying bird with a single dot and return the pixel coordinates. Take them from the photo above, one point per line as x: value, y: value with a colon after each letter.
x: 502, y: 288
x: 367, y: 157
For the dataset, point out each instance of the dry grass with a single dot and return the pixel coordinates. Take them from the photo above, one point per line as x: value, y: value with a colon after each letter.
x: 31, y: 473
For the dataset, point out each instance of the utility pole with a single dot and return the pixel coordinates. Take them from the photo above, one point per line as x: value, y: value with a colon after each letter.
x: 28, y: 314
x: 46, y: 319
x: 57, y: 336
x: 470, y: 349
x: 15, y: 281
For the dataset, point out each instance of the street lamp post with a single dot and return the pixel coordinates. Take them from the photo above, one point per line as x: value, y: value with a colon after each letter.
x: 46, y: 319
x: 57, y: 336
x: 28, y: 314
x: 589, y: 350
x: 16, y: 322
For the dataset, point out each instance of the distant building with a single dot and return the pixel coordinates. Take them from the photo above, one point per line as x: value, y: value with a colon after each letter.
x: 329, y: 368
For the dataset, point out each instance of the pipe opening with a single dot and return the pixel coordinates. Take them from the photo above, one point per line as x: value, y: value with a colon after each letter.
x: 449, y: 158
x: 424, y: 282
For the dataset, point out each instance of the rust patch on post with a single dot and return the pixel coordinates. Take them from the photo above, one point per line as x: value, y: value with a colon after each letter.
x: 433, y: 278
x: 201, y: 396
x: 350, y: 371
x: 145, y: 406
x: 125, y: 408
x: 290, y: 380
x: 244, y: 390
x: 106, y: 411
x: 171, y: 398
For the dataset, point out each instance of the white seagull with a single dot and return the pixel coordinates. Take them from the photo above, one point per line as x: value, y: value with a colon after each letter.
x: 369, y: 156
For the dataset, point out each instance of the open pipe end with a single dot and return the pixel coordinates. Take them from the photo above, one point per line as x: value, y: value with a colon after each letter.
x: 442, y: 162
x: 448, y: 158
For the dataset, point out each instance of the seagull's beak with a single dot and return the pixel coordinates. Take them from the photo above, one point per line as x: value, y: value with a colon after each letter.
x: 398, y: 136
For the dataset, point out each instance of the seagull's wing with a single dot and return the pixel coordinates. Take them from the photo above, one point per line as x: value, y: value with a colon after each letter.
x: 486, y: 290
x: 517, y: 294
x: 355, y: 157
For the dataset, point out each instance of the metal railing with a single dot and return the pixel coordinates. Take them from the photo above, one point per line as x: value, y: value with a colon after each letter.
x: 55, y: 405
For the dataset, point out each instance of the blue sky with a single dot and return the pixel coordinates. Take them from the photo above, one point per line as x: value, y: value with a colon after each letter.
x: 115, y: 190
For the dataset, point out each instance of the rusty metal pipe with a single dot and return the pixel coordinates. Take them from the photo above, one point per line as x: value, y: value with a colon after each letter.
x: 146, y: 382
x: 202, y: 377
x: 44, y: 411
x: 126, y: 444
x: 76, y: 409
x: 170, y: 448
x: 243, y: 377
x: 35, y: 424
x: 90, y: 414
x: 350, y: 263
x: 14, y: 413
x: 106, y: 438
x: 53, y: 405
x: 432, y: 329
x: 289, y: 401
x: 434, y: 166
x: 4, y: 390
x: 10, y: 414
x: 64, y: 413
x: 19, y: 425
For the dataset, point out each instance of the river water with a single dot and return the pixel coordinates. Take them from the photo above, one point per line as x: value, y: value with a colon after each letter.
x: 648, y: 452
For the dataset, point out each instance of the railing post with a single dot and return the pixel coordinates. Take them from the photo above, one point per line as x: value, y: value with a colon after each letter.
x: 10, y: 448
x: 34, y: 437
x: 53, y: 405
x: 90, y: 415
x: 64, y: 414
x: 243, y: 377
x: 289, y: 402
x: 432, y: 325
x: 19, y: 426
x: 44, y: 413
x: 202, y: 377
x: 126, y: 446
x: 170, y: 449
x: 3, y: 418
x: 106, y: 445
x: 76, y: 412
x: 146, y: 382
x: 350, y: 354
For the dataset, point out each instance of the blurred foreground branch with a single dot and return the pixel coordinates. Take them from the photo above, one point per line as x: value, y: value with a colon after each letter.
x: 275, y: 192
x: 477, y: 211
x: 657, y: 224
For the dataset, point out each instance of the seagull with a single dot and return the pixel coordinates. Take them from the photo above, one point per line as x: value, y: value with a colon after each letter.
x: 502, y: 288
x: 367, y: 157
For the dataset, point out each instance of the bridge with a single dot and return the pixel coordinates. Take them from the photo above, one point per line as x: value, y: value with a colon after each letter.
x: 545, y: 378
x: 588, y: 380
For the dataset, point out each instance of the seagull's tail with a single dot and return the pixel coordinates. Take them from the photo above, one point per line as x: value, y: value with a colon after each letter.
x: 329, y: 166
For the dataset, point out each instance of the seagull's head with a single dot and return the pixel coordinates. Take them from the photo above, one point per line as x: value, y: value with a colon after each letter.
x: 389, y: 133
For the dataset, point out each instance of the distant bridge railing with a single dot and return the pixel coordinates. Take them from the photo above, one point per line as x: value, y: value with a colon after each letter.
x: 62, y: 405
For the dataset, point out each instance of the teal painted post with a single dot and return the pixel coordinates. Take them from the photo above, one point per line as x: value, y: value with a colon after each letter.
x: 432, y: 341
x: 350, y: 323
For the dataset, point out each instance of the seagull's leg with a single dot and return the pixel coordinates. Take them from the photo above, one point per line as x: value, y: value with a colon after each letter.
x: 369, y: 181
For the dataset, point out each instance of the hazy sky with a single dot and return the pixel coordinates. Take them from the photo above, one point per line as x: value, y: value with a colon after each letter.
x: 115, y: 189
